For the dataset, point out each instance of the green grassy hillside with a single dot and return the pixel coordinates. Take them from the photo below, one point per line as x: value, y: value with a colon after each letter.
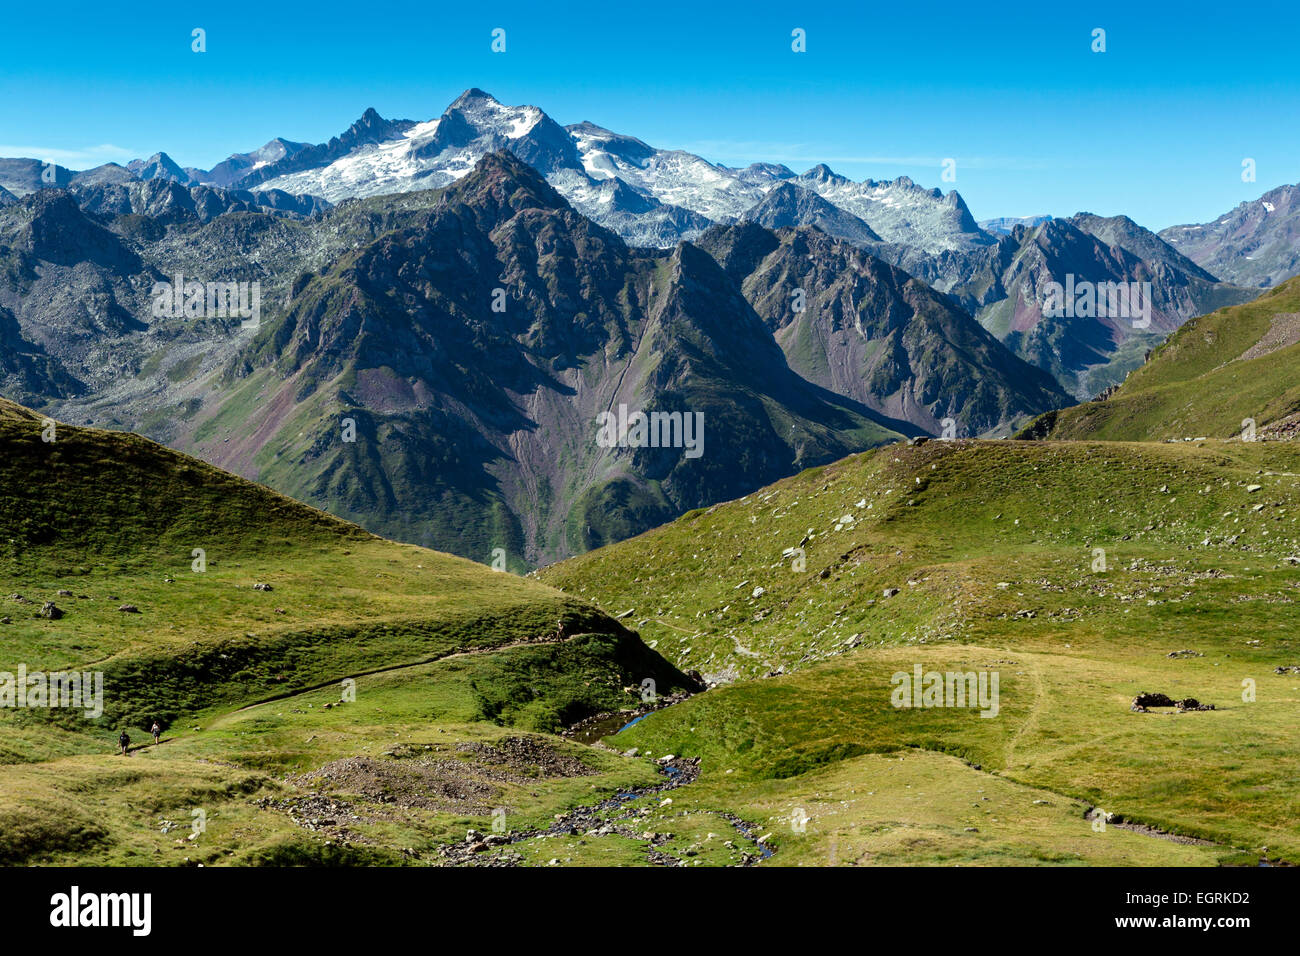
x: 1082, y: 574
x: 986, y: 557
x: 1212, y: 374
x: 242, y: 657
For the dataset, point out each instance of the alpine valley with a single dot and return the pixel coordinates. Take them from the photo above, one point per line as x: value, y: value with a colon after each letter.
x: 783, y: 465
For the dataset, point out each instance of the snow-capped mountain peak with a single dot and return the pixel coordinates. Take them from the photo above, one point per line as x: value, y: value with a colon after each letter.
x: 648, y: 195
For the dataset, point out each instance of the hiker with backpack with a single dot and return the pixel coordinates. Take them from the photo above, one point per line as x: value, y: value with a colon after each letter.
x: 156, y: 730
x: 124, y: 742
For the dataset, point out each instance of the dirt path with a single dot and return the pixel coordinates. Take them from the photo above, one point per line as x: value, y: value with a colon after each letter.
x: 1031, y: 719
x: 394, y: 667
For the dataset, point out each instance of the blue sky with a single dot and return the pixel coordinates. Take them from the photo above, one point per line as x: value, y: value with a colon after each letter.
x: 1156, y: 127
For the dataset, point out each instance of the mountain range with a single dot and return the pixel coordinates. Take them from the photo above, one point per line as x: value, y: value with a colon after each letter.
x: 652, y: 196
x: 472, y: 336
x: 471, y: 293
x: 655, y: 197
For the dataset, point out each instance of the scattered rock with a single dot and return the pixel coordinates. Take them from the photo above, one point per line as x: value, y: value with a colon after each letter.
x: 262, y: 587
x: 129, y: 609
x: 890, y: 592
x: 50, y: 610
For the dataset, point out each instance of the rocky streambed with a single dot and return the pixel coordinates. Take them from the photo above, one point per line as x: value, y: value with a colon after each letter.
x: 624, y: 815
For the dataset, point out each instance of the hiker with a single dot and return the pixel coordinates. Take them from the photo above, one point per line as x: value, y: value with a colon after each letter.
x: 156, y: 730
x: 124, y: 742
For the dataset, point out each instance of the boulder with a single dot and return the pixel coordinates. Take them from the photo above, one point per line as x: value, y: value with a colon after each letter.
x: 1143, y: 701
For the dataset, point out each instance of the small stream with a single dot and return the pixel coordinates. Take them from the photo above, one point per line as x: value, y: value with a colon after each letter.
x: 679, y: 773
x: 607, y: 725
x: 615, y: 814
